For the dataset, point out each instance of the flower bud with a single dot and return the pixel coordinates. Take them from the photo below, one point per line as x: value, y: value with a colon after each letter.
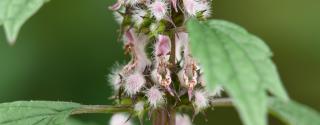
x: 183, y: 119
x: 162, y: 46
x: 155, y: 96
x: 134, y: 83
x: 158, y: 9
x: 120, y: 119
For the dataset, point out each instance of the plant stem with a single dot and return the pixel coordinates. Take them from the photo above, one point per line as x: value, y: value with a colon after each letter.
x: 85, y: 109
x: 164, y: 117
x: 88, y: 109
x: 172, y: 59
x: 223, y: 102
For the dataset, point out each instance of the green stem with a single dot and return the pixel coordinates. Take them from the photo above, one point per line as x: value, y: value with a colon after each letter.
x: 85, y: 109
x: 88, y: 109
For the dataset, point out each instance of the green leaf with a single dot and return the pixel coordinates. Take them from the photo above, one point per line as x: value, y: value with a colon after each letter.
x: 14, y: 13
x: 239, y: 61
x: 294, y: 113
x: 35, y: 112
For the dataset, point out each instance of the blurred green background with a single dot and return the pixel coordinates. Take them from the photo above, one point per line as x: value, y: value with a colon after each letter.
x: 65, y: 51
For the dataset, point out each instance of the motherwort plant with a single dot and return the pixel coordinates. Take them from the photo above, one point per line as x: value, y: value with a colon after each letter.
x: 166, y: 77
x: 180, y: 63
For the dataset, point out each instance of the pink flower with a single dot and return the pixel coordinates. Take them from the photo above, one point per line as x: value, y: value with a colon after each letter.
x: 136, y: 43
x: 189, y: 7
x: 115, y: 77
x: 183, y: 119
x: 182, y: 45
x: 155, y: 96
x: 193, y: 7
x: 188, y: 76
x: 161, y: 73
x: 129, y: 39
x: 120, y: 119
x: 201, y: 100
x: 134, y: 83
x: 158, y: 9
x: 204, y: 7
x: 162, y: 46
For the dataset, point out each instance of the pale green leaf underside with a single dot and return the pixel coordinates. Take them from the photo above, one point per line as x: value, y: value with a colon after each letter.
x: 35, y: 112
x: 294, y: 113
x: 14, y: 13
x: 240, y: 62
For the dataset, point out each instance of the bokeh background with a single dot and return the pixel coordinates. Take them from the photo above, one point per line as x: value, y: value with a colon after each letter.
x: 65, y: 51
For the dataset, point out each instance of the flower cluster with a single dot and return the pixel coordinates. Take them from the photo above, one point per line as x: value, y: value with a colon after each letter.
x: 167, y: 75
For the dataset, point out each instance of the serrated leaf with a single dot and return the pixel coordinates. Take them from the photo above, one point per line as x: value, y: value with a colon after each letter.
x: 294, y: 113
x: 238, y: 60
x: 35, y: 112
x: 14, y: 13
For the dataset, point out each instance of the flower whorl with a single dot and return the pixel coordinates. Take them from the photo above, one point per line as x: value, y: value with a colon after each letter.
x: 168, y: 74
